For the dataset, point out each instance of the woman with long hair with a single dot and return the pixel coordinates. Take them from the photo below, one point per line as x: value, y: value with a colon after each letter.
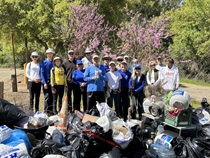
x: 136, y: 88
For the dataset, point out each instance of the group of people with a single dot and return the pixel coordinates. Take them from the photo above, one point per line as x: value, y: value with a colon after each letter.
x: 89, y: 80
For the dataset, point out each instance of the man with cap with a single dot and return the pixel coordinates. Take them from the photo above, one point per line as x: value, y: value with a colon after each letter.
x: 114, y: 86
x: 34, y: 81
x: 80, y: 86
x: 106, y: 59
x: 46, y: 66
x: 159, y: 63
x: 87, y: 60
x: 127, y: 59
x: 119, y: 60
x: 95, y: 78
x: 69, y: 67
x: 58, y: 83
x: 124, y: 97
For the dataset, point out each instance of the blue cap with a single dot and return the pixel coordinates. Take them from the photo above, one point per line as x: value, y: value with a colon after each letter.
x: 79, y: 62
x: 137, y: 66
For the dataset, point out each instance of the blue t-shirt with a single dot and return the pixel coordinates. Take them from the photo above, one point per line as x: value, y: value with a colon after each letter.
x: 125, y: 78
x: 139, y: 83
x: 105, y: 67
x: 98, y: 84
x: 46, y: 66
x: 78, y: 76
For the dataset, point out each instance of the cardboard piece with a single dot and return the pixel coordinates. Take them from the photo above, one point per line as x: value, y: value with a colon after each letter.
x: 122, y: 129
x: 89, y: 118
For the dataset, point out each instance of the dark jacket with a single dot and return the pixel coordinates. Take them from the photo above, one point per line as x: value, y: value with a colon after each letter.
x: 69, y: 67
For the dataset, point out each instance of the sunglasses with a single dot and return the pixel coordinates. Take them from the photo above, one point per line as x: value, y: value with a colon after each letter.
x: 34, y: 56
x: 119, y: 60
x: 71, y: 53
x: 137, y: 69
x: 87, y: 53
x: 152, y: 65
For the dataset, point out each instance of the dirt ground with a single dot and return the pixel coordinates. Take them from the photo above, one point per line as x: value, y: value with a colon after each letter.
x: 21, y: 98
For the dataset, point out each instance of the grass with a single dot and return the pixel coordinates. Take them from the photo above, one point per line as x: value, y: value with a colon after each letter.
x: 195, y: 104
x: 196, y: 82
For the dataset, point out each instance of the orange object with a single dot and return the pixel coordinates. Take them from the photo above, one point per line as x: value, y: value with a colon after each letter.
x: 63, y: 114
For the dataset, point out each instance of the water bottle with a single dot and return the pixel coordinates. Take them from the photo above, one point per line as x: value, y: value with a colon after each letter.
x: 161, y: 152
x: 160, y: 129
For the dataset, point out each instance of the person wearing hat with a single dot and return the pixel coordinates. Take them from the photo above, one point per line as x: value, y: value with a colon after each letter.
x: 95, y: 78
x: 124, y: 97
x: 87, y: 60
x: 106, y: 59
x: 34, y: 81
x: 169, y: 76
x: 80, y: 86
x: 159, y: 63
x: 114, y: 86
x: 119, y: 60
x: 153, y: 79
x: 69, y: 67
x: 127, y: 59
x: 58, y: 83
x: 46, y: 66
x: 136, y: 88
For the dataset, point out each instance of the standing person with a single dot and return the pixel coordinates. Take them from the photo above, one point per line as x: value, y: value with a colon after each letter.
x: 153, y: 79
x: 124, y: 97
x: 159, y: 63
x: 69, y: 67
x: 34, y: 81
x: 95, y: 78
x: 119, y: 60
x: 136, y: 86
x: 87, y: 60
x: 80, y: 86
x: 114, y: 86
x: 46, y: 66
x: 169, y: 76
x: 127, y: 60
x: 58, y: 83
x: 106, y: 59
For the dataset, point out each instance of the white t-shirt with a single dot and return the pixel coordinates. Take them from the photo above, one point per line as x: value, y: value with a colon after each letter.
x: 33, y: 71
x: 151, y: 78
x: 86, y: 62
x: 113, y: 79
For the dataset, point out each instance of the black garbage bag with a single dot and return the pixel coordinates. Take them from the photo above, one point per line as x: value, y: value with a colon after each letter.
x: 203, y: 145
x: 94, y: 112
x: 203, y: 131
x: 58, y: 137
x: 114, y: 153
x: 74, y: 121
x: 76, y: 144
x: 204, y: 103
x: 9, y: 113
x: 46, y: 147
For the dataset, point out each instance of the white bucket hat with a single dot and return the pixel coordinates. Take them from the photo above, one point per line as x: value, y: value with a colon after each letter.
x: 88, y: 50
x: 34, y: 54
x: 50, y: 50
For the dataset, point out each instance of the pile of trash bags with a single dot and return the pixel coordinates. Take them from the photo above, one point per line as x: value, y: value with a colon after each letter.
x: 99, y: 133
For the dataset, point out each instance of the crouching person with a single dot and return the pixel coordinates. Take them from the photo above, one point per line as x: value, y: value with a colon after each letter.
x: 58, y: 83
x: 114, y: 86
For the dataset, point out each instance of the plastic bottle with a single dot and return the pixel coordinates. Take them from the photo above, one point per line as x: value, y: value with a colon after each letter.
x: 160, y: 129
x: 161, y: 152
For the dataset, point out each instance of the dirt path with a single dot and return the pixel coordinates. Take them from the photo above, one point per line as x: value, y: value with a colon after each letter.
x: 21, y: 97
x: 196, y: 92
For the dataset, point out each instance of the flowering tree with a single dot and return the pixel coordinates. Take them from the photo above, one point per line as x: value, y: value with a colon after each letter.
x: 141, y: 38
x: 87, y: 28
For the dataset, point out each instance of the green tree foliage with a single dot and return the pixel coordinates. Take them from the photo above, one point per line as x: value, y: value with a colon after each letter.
x: 190, y: 27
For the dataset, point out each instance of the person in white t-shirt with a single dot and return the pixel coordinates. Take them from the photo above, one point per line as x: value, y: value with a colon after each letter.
x: 114, y: 86
x: 87, y: 60
x: 169, y: 76
x: 34, y: 81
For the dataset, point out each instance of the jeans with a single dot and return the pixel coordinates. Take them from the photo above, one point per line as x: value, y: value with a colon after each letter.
x: 34, y: 91
x: 48, y: 98
x: 124, y: 103
x: 77, y: 98
x: 116, y: 98
x: 92, y: 97
x: 59, y: 93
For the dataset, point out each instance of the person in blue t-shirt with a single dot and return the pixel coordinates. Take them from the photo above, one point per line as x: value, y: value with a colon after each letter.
x: 136, y: 86
x: 46, y: 66
x: 124, y: 97
x: 95, y: 78
x: 80, y: 88
x: 106, y: 59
